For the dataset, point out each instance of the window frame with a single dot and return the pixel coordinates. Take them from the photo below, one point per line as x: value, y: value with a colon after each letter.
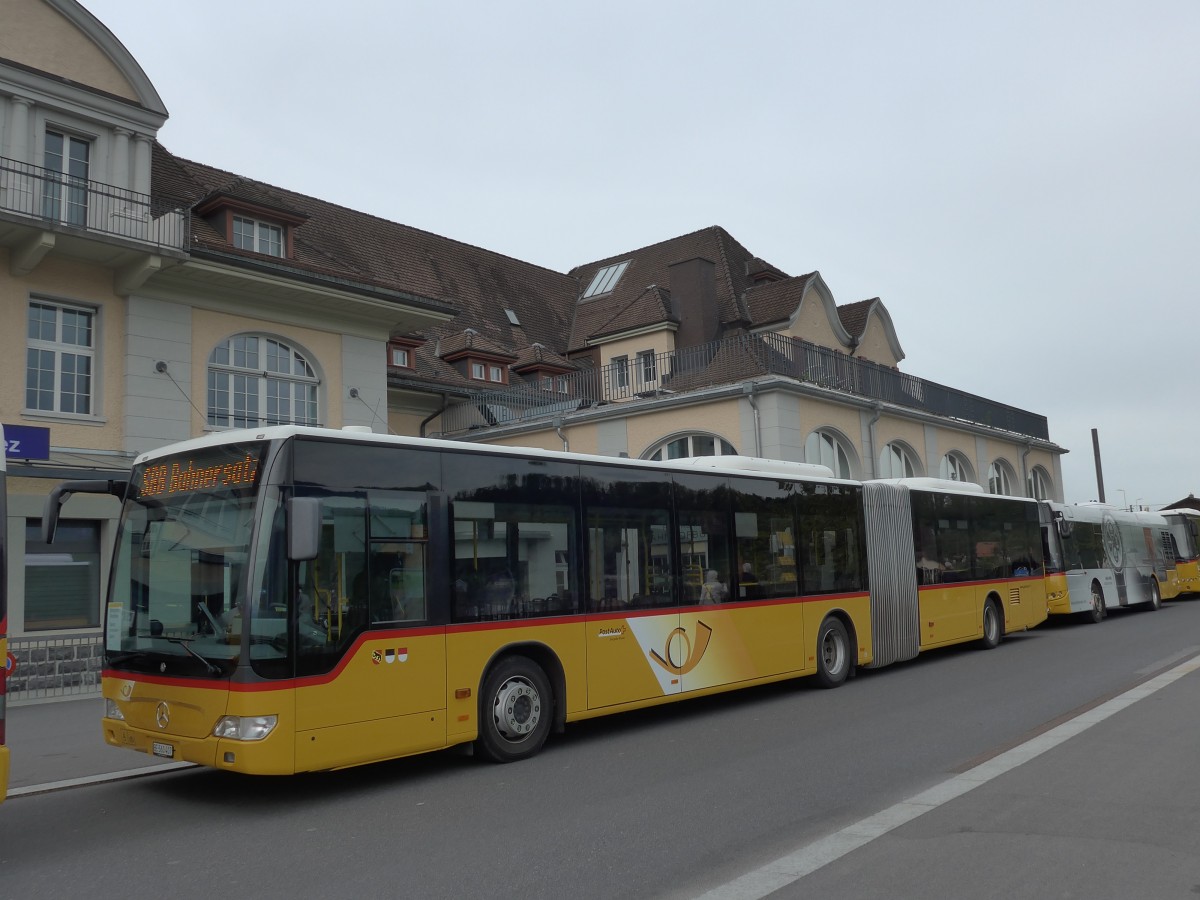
x: 62, y: 187
x: 256, y: 238
x: 263, y: 378
x: 58, y: 347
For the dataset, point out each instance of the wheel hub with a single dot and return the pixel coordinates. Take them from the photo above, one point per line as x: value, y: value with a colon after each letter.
x: 517, y: 709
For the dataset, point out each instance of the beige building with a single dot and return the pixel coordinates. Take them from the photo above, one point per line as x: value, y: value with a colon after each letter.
x: 152, y: 298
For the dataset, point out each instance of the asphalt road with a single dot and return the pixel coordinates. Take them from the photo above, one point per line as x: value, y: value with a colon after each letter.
x: 692, y: 798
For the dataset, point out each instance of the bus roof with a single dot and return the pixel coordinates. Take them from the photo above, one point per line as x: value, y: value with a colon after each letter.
x: 729, y: 465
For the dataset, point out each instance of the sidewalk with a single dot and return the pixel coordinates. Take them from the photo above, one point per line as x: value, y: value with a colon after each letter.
x: 61, y: 741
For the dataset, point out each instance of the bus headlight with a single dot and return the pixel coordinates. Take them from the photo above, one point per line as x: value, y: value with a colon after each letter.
x: 112, y: 711
x: 245, y: 728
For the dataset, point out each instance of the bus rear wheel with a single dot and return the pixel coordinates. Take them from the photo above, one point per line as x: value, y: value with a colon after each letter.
x: 1155, y: 601
x: 993, y: 625
x: 1099, y: 609
x: 515, y: 710
x: 833, y: 653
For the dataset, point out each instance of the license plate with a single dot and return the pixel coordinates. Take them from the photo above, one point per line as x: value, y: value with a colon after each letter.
x: 167, y: 750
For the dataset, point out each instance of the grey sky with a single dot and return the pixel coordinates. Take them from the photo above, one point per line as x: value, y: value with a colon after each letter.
x: 1019, y: 186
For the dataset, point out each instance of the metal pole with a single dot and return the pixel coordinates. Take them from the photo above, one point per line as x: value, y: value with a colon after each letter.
x: 1099, y: 469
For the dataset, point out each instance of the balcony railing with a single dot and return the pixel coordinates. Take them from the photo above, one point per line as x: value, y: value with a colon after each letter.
x: 731, y: 361
x: 52, y: 198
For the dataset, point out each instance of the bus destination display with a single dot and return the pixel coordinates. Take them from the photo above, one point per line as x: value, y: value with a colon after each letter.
x: 201, y: 472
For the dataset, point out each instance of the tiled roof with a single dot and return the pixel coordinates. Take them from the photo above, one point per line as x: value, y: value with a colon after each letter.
x: 651, y: 266
x: 854, y: 316
x: 777, y: 301
x: 479, y: 285
x: 651, y: 306
x: 471, y: 340
x: 344, y: 244
x: 538, y: 355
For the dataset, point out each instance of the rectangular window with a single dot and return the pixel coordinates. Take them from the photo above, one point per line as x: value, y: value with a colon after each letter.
x: 496, y: 374
x: 648, y: 366
x: 628, y: 540
x: 60, y: 358
x: 705, y: 552
x: 764, y: 532
x: 477, y: 371
x: 620, y: 372
x: 400, y: 357
x: 830, y: 547
x: 62, y: 581
x: 605, y: 280
x: 257, y: 237
x: 65, y: 190
x: 514, y: 537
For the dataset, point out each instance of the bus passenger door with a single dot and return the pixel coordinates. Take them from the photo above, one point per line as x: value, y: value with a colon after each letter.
x: 371, y: 667
x: 633, y: 652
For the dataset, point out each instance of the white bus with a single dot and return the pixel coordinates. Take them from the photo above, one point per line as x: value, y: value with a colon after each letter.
x: 1107, y: 557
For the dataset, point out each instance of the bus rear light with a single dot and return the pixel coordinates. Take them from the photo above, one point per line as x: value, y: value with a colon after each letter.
x: 462, y: 693
x: 245, y: 728
x: 112, y: 710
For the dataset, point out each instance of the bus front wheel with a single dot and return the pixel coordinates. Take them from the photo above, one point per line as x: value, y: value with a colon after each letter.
x: 993, y: 625
x: 516, y: 709
x: 833, y: 653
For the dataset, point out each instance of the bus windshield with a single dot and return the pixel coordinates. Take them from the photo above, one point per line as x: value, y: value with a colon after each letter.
x: 179, y: 573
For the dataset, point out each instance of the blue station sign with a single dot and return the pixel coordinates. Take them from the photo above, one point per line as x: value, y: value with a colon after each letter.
x: 26, y: 442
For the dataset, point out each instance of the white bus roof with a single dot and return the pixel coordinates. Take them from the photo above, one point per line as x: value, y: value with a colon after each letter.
x: 729, y: 465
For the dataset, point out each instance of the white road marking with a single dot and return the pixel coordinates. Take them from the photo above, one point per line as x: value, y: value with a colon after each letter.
x: 96, y: 779
x: 794, y: 866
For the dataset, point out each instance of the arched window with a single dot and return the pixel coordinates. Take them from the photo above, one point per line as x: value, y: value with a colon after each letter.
x: 1039, y: 483
x: 255, y: 380
x: 955, y: 467
x: 827, y: 448
x: 896, y: 461
x: 1000, y: 478
x: 686, y: 445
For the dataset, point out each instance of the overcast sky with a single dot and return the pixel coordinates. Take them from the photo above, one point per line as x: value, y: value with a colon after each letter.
x: 1020, y: 187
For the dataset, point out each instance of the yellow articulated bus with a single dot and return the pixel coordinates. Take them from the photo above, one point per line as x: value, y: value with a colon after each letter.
x: 297, y: 599
x: 1185, y: 527
x: 1103, y: 557
x: 4, y: 762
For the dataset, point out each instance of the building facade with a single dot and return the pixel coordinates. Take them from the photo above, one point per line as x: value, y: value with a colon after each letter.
x: 151, y: 298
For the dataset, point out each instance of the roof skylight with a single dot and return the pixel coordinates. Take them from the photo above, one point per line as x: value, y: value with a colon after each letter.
x: 512, y: 317
x: 606, y: 279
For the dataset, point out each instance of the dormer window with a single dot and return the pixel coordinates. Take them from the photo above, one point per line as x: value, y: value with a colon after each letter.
x: 257, y: 236
x: 606, y: 280
x: 401, y: 357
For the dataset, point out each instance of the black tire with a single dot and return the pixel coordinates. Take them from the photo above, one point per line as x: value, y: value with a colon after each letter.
x: 993, y: 625
x: 1155, y: 601
x: 1099, y: 608
x: 833, y: 653
x: 516, y: 709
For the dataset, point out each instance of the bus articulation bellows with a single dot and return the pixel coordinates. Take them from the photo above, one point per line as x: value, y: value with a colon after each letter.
x: 295, y: 599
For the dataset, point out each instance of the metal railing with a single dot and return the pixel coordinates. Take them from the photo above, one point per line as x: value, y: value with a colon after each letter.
x: 59, y: 200
x: 730, y: 361
x: 49, y: 668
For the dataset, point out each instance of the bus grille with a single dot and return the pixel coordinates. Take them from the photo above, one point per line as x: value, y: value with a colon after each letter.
x: 891, y: 568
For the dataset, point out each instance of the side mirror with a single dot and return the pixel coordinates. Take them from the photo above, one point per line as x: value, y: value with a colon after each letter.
x: 304, y: 528
x: 1062, y: 525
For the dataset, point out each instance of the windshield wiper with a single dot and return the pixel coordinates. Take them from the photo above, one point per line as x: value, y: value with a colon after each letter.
x: 185, y: 643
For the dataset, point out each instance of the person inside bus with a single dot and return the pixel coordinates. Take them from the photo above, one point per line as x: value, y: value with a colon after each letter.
x: 713, y: 591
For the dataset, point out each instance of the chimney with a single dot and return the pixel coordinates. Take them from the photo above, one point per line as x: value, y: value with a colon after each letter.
x: 694, y: 301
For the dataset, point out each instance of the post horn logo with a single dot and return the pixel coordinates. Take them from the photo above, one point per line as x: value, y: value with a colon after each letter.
x: 678, y: 640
